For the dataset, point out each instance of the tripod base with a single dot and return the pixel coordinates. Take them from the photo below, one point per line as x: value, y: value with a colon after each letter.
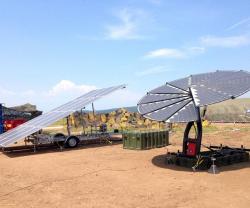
x: 213, y: 169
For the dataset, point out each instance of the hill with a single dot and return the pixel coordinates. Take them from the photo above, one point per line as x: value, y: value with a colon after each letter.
x: 230, y: 111
x: 131, y: 109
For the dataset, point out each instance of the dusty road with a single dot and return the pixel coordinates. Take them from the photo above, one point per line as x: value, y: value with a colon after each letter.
x: 111, y: 177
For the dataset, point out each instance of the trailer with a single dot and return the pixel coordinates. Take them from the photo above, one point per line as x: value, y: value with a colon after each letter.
x: 62, y: 141
x: 31, y: 131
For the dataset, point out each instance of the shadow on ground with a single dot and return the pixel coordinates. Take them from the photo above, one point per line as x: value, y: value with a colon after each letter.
x: 159, y: 161
x: 53, y: 149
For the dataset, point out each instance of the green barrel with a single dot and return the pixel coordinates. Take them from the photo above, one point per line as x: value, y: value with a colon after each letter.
x: 154, y: 139
x: 166, y: 138
x: 138, y: 140
x: 149, y: 139
x: 143, y: 140
x: 133, y: 141
x: 125, y: 140
x: 159, y: 139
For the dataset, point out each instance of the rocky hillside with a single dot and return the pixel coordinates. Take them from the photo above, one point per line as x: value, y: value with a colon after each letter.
x: 117, y: 119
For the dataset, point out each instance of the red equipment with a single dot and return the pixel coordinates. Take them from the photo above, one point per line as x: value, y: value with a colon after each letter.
x: 10, y: 124
x: 191, y: 148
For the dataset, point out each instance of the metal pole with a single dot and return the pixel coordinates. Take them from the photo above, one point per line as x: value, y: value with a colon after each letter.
x: 83, y: 127
x: 68, y: 125
x: 199, y: 132
x: 93, y: 111
x: 1, y: 119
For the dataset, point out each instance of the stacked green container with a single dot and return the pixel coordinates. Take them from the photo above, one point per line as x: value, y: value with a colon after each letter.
x: 145, y: 140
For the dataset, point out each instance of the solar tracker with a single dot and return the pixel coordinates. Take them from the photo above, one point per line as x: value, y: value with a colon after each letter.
x: 54, y: 115
x: 179, y: 100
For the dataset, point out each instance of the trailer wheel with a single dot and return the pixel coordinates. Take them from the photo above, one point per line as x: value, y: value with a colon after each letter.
x: 59, y: 139
x: 72, y: 142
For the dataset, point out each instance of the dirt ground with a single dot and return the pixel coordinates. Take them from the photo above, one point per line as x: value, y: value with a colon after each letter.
x: 109, y: 176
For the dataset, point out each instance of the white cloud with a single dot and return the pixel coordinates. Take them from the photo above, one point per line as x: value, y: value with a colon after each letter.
x: 166, y: 53
x: 196, y: 50
x: 240, y: 23
x: 67, y: 86
x: 152, y: 71
x: 120, y: 98
x: 128, y: 27
x: 175, y: 53
x: 227, y: 42
x: 64, y: 91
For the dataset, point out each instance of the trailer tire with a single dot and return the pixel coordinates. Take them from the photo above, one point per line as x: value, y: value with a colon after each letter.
x: 72, y: 142
x: 59, y: 143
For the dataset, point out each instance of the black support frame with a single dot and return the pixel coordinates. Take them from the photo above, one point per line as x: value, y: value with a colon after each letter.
x: 198, y: 138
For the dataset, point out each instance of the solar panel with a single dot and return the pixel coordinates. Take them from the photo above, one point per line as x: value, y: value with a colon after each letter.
x: 54, y: 115
x: 149, y: 108
x: 165, y: 113
x: 185, y: 114
x: 177, y: 101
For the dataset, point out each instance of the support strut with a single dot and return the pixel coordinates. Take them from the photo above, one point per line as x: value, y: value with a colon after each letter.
x: 192, y: 146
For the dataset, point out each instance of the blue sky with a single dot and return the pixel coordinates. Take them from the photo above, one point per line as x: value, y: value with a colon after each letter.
x: 54, y: 50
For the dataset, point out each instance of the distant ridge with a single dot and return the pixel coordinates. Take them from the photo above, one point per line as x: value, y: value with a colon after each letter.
x: 132, y: 109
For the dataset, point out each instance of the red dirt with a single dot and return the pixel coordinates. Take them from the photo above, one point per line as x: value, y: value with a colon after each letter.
x: 112, y: 177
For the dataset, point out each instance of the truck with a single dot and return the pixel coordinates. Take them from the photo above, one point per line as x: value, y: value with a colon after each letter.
x: 11, y: 118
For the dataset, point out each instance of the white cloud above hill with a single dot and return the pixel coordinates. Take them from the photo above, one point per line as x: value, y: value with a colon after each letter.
x: 64, y: 91
x: 67, y: 86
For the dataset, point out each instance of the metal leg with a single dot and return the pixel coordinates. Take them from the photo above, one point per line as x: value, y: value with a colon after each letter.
x: 68, y: 126
x: 1, y: 119
x: 82, y: 122
x: 93, y: 111
x: 198, y: 137
x: 34, y: 147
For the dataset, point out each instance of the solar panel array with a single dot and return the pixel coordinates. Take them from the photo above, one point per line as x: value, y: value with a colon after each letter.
x: 52, y: 116
x: 216, y: 86
x: 177, y: 101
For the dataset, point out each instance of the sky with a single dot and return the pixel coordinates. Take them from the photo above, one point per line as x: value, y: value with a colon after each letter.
x: 52, y: 51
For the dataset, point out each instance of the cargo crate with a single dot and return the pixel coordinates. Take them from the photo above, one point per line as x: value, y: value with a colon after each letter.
x: 142, y: 140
